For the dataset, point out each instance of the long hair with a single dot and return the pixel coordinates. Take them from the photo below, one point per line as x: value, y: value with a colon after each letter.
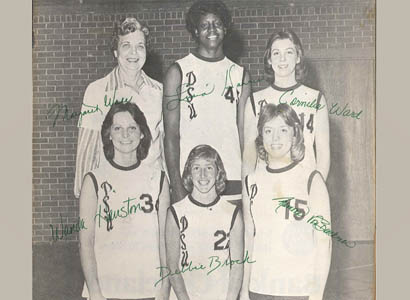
x: 203, y: 7
x: 209, y: 153
x: 289, y: 116
x: 300, y: 69
x: 126, y: 26
x: 139, y: 118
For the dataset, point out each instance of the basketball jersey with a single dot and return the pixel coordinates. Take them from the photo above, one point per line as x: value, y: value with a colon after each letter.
x: 306, y: 102
x: 204, y: 237
x: 126, y: 242
x: 210, y: 93
x: 100, y: 95
x: 283, y: 248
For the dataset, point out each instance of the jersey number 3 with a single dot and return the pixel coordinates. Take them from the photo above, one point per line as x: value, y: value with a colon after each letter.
x: 220, y: 244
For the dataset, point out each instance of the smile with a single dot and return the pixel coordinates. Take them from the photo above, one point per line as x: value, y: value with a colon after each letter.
x: 212, y: 37
x: 282, y: 66
x: 276, y: 146
x: 203, y: 182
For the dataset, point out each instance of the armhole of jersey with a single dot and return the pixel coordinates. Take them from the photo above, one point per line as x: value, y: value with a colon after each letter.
x: 235, y: 213
x: 243, y: 77
x: 174, y: 213
x: 319, y: 97
x: 94, y: 181
x: 161, y: 182
x: 246, y: 185
x: 253, y: 104
x: 312, y: 175
x: 180, y: 70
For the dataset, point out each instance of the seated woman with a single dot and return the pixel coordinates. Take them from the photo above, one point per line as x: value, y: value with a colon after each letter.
x: 292, y: 259
x: 125, y: 203
x: 204, y: 233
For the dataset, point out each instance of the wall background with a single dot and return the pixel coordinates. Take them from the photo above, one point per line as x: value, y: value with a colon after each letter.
x: 71, y: 49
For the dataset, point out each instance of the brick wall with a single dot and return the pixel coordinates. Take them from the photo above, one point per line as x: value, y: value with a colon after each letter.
x: 71, y: 49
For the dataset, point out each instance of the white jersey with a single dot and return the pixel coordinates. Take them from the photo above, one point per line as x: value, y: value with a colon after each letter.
x: 126, y: 242
x: 210, y: 94
x: 204, y: 238
x: 283, y: 243
x: 101, y: 94
x: 305, y: 101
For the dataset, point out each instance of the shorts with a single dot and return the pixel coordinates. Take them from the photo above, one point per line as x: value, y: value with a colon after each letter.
x: 255, y: 296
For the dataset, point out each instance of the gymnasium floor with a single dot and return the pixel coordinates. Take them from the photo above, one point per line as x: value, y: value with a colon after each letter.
x: 57, y: 272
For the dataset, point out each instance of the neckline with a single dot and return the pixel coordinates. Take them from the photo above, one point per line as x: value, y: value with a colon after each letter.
x: 122, y: 168
x: 208, y: 59
x: 281, y: 170
x: 197, y: 203
x: 298, y: 84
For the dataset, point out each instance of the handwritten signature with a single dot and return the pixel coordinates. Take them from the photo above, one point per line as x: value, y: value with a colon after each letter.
x: 62, y: 109
x: 214, y: 264
x: 314, y: 220
x: 297, y: 102
x: 66, y: 230
x: 345, y: 112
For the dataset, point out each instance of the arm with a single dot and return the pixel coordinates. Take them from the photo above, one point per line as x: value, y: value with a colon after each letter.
x: 249, y: 230
x: 236, y: 251
x: 88, y: 208
x: 162, y: 214
x: 322, y: 139
x: 246, y: 91
x: 88, y: 156
x: 171, y: 111
x: 172, y: 250
x: 249, y: 157
x: 319, y: 198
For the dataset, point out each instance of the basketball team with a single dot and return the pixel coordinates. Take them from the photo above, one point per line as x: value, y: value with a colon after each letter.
x: 188, y: 173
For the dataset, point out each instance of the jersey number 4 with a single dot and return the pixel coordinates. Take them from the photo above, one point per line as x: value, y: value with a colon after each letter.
x: 309, y: 124
x: 221, y: 243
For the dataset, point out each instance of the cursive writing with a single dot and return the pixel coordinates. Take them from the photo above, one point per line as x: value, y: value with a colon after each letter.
x: 185, y: 93
x: 319, y: 223
x: 345, y: 112
x: 213, y: 264
x: 299, y: 103
x: 66, y: 229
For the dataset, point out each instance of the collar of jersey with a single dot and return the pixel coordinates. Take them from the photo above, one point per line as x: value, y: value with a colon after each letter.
x: 199, y: 56
x: 201, y: 204
x: 129, y: 168
x: 284, y: 169
x: 293, y: 87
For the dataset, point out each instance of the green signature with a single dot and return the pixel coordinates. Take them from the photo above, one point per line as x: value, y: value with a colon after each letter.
x: 66, y: 229
x: 214, y: 263
x: 319, y: 223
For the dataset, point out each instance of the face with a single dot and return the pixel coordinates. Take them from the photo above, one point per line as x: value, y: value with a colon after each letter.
x: 131, y: 53
x: 284, y: 58
x: 277, y: 139
x: 210, y: 31
x: 203, y: 173
x: 125, y: 133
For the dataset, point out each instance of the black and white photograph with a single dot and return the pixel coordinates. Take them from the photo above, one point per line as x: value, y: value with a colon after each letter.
x: 203, y: 149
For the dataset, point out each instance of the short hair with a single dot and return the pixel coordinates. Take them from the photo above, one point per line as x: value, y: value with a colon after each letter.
x: 126, y: 26
x: 139, y: 118
x: 289, y: 116
x: 203, y: 7
x: 300, y: 70
x: 206, y: 152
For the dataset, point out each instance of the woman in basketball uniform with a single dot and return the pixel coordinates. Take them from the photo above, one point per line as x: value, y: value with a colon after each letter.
x: 123, y: 204
x: 292, y: 258
x: 204, y: 233
x: 285, y: 70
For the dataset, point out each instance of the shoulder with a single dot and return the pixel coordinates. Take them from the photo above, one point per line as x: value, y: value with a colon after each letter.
x: 186, y: 58
x: 308, y: 90
x: 174, y: 73
x: 262, y: 93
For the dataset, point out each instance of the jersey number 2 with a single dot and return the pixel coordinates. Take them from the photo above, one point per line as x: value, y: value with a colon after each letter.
x: 219, y: 244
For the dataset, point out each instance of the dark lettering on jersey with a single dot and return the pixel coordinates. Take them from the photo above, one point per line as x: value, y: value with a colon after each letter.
x: 184, y: 225
x: 298, y: 212
x: 192, y: 112
x: 227, y: 91
x: 219, y: 243
x: 261, y: 104
x: 108, y: 217
x: 191, y: 78
x: 254, y: 192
